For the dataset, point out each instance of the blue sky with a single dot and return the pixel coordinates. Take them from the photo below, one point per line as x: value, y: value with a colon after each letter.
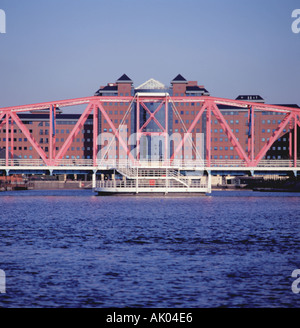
x: 62, y: 49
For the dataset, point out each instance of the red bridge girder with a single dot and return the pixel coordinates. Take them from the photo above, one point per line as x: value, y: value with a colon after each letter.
x: 209, y: 105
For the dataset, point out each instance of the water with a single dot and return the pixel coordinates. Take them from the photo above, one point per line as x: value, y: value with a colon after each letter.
x: 75, y: 249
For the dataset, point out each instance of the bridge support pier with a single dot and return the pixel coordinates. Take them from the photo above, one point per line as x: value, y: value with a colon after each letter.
x: 209, y: 182
x: 94, y: 179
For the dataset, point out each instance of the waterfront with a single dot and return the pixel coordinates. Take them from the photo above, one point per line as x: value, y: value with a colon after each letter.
x: 70, y: 248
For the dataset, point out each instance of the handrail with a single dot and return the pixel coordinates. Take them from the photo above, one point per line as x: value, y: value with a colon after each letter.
x: 131, y: 167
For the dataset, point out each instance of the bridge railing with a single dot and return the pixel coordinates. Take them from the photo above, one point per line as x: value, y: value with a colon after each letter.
x: 148, y: 184
x: 115, y: 164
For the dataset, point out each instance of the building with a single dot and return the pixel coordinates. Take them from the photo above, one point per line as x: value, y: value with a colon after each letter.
x: 38, y: 126
x: 133, y: 118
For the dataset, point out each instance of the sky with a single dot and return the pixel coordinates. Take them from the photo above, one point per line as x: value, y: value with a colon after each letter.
x: 62, y: 49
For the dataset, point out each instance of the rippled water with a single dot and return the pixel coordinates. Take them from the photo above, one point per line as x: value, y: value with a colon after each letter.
x: 75, y: 249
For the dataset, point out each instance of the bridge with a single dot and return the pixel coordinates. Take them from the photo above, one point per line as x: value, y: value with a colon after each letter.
x: 165, y: 174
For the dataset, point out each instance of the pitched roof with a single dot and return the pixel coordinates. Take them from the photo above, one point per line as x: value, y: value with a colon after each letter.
x: 109, y: 88
x: 151, y: 85
x: 124, y: 79
x: 179, y: 79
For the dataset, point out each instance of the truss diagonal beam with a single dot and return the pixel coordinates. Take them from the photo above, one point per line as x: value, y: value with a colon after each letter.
x: 115, y: 131
x: 74, y: 132
x: 27, y: 134
x: 229, y: 133
x: 274, y: 137
x: 152, y: 116
x: 190, y: 129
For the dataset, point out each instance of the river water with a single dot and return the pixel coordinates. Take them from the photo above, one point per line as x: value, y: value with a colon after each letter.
x: 76, y: 249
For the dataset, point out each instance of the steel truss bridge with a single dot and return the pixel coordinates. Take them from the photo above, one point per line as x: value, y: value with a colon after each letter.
x: 249, y: 162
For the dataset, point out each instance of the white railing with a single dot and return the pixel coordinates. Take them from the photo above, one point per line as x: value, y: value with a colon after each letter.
x: 107, y: 184
x: 129, y: 166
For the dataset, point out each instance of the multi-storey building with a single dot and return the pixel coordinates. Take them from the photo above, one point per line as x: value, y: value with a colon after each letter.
x: 131, y: 117
x: 38, y: 126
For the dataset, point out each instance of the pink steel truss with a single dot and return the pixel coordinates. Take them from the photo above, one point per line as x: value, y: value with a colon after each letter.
x: 9, y: 116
